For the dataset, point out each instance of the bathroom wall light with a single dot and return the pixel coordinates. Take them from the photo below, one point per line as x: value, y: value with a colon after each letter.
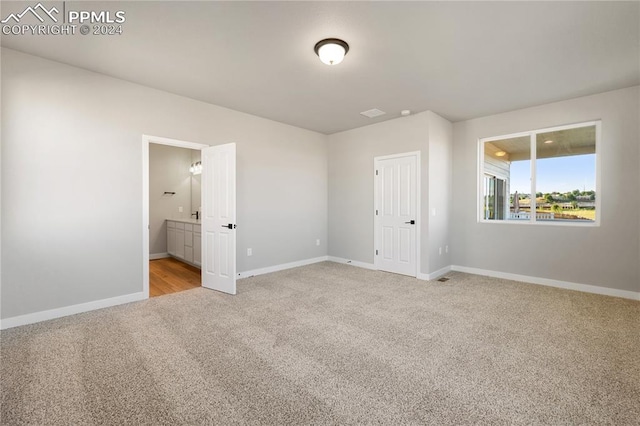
x: 196, y: 168
x: 331, y: 51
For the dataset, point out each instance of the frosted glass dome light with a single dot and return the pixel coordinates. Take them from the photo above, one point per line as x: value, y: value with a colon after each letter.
x: 331, y: 51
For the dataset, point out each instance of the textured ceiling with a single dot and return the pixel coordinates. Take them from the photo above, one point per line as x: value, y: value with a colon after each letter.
x: 460, y: 60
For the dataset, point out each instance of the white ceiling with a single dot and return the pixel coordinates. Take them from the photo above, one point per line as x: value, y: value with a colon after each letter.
x: 458, y: 59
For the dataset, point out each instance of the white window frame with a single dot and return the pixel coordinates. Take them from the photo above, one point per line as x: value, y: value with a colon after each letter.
x: 532, y: 141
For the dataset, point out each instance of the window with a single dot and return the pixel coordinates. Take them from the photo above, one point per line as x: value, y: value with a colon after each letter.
x: 494, y: 199
x: 542, y: 176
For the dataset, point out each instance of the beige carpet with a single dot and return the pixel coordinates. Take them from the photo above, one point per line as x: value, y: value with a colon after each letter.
x: 333, y: 344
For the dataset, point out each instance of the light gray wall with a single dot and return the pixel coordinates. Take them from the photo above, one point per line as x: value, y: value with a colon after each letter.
x: 351, y: 183
x: 605, y: 256
x: 72, y: 225
x: 351, y: 180
x: 168, y: 172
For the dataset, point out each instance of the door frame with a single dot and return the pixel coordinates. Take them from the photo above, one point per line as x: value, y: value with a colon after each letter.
x: 415, y: 154
x: 146, y: 140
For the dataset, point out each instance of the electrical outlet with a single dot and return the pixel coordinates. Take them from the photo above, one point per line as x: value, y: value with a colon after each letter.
x: 249, y: 252
x: 180, y: 209
x: 317, y: 242
x: 440, y: 251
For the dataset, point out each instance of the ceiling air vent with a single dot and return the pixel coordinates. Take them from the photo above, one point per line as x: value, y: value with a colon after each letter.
x: 372, y: 113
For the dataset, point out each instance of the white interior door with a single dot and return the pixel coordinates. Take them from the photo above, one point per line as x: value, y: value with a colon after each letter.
x: 396, y: 214
x: 219, y: 218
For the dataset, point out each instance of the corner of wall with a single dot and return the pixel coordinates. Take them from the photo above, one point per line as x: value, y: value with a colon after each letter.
x: 605, y: 255
x: 440, y: 196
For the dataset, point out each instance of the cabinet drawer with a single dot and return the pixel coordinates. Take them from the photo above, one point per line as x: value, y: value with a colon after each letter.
x: 179, y: 225
x: 188, y: 227
x: 171, y: 224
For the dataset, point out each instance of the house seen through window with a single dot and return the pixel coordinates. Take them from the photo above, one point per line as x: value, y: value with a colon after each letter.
x: 541, y: 176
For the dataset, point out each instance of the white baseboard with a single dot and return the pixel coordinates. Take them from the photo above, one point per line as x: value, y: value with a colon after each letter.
x: 438, y: 273
x: 134, y: 297
x: 70, y: 310
x: 514, y: 277
x: 372, y: 267
x: 281, y: 267
x: 421, y: 276
x: 155, y: 256
x: 351, y: 262
x: 587, y: 288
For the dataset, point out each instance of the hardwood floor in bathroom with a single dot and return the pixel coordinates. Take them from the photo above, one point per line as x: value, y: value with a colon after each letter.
x: 169, y: 275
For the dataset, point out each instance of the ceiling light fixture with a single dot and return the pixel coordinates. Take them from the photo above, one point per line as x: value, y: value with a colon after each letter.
x: 500, y: 154
x: 548, y: 142
x: 331, y: 51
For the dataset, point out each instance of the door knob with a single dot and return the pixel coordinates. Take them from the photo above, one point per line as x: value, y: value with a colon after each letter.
x: 411, y: 222
x: 230, y: 226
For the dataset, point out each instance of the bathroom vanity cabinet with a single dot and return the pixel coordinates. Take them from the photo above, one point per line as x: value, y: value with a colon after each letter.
x: 184, y: 239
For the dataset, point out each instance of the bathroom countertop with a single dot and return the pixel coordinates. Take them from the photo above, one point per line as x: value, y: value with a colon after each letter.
x: 192, y: 221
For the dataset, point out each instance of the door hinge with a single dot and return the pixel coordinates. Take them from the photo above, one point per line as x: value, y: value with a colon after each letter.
x: 376, y: 173
x: 376, y: 252
x: 376, y: 212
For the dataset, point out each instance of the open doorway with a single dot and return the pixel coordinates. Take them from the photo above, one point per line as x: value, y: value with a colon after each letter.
x: 171, y: 215
x: 174, y: 219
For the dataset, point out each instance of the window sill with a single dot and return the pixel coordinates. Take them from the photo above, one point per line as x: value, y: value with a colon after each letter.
x: 558, y: 222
